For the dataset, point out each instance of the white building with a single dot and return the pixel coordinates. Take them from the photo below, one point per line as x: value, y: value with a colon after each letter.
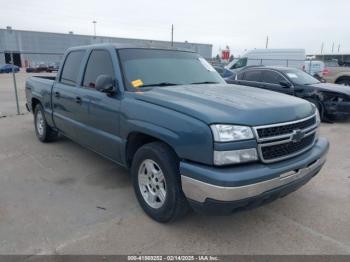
x: 30, y: 47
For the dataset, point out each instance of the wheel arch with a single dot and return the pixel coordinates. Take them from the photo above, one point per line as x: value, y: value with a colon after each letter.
x: 341, y: 78
x: 137, y: 139
x: 34, y: 102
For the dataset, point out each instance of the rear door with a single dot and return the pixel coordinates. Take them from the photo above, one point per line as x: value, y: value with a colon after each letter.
x: 100, y: 122
x: 66, y: 107
x: 271, y: 80
x: 249, y: 78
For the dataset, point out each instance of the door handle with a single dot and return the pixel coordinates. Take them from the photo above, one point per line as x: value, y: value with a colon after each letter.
x: 78, y: 100
x: 57, y: 94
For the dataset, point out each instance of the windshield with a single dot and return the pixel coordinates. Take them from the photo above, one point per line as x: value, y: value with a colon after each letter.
x: 153, y: 67
x: 299, y: 77
x: 238, y: 63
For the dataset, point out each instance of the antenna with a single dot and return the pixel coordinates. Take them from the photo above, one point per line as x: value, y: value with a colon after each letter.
x: 172, y: 35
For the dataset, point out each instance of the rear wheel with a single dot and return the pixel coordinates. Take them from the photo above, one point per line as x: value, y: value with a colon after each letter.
x: 43, y: 131
x: 157, y: 182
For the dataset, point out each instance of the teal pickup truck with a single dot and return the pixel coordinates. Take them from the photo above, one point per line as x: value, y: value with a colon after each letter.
x: 188, y: 138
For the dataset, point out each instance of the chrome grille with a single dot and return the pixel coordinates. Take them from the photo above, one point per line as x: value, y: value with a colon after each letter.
x: 285, y: 129
x: 285, y: 140
x: 285, y: 149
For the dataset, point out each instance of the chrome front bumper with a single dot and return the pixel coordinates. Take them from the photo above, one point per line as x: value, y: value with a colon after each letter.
x: 201, y: 191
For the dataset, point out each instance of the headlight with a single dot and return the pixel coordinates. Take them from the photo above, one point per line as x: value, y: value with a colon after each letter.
x: 318, y: 118
x: 226, y: 133
x: 235, y: 156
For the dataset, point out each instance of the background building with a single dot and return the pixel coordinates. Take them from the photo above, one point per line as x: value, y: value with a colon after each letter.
x: 31, y: 48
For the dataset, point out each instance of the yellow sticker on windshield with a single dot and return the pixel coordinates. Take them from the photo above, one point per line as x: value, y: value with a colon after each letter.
x: 137, y: 83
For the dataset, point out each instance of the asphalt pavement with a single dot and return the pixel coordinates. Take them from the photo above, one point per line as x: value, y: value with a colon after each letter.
x: 59, y: 198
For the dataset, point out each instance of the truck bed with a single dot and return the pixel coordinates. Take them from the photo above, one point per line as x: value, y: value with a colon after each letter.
x: 39, y: 87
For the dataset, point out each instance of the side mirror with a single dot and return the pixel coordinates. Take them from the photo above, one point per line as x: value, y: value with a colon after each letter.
x: 285, y: 84
x: 105, y: 84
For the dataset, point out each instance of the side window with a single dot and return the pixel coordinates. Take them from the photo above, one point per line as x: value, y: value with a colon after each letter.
x: 99, y: 63
x: 272, y: 77
x: 252, y: 75
x: 71, y: 68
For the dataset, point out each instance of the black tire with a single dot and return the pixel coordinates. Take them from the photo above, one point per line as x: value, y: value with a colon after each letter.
x: 44, y: 132
x: 319, y: 107
x: 344, y: 81
x: 175, y: 204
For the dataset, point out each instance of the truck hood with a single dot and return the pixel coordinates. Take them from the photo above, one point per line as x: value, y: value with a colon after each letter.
x: 345, y: 90
x: 230, y: 104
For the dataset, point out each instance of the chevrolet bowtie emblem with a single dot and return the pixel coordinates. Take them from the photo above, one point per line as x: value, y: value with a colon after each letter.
x: 297, y: 135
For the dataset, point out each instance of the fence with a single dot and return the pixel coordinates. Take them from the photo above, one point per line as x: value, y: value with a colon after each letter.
x: 15, y: 67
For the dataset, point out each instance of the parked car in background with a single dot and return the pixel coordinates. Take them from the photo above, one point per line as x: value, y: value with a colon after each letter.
x: 331, y: 100
x: 315, y: 68
x: 334, y: 73
x: 188, y: 138
x: 7, y: 68
x: 223, y: 71
x: 270, y: 57
x: 37, y: 68
x: 53, y: 67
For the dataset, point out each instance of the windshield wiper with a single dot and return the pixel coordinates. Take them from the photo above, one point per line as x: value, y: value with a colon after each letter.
x: 204, y: 82
x: 309, y: 84
x: 161, y: 84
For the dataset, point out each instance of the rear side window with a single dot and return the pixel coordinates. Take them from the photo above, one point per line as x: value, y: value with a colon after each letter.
x: 252, y: 75
x: 100, y: 63
x: 71, y: 68
x: 272, y: 77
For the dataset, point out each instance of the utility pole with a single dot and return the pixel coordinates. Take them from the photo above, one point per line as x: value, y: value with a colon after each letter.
x: 322, y: 45
x: 267, y: 42
x: 94, y: 23
x: 172, y: 34
x: 332, y: 47
x: 339, y: 48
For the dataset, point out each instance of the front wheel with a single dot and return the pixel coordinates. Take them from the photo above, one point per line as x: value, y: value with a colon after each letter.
x: 43, y: 131
x: 157, y: 182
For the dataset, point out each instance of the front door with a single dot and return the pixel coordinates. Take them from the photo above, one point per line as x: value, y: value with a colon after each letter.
x: 271, y: 80
x: 101, y: 121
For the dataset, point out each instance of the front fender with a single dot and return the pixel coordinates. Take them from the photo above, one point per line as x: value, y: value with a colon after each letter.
x: 190, y: 138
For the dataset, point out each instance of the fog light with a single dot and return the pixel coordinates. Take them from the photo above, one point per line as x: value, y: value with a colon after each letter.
x: 235, y: 156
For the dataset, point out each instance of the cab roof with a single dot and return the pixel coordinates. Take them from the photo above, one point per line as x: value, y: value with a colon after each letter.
x: 279, y: 68
x: 129, y: 46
